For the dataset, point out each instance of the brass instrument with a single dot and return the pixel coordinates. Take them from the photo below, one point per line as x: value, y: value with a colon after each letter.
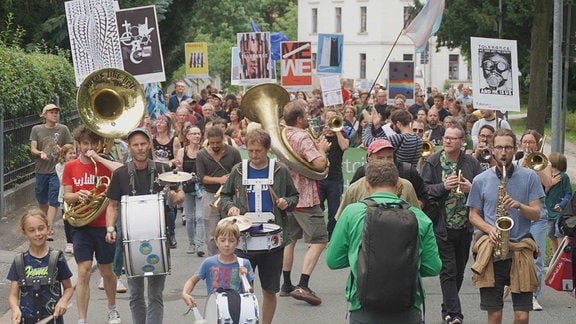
x: 83, y: 212
x: 110, y: 102
x: 427, y: 146
x: 503, y: 221
x: 264, y: 104
x: 216, y: 203
x: 458, y: 189
x: 486, y: 154
x: 537, y: 161
x: 335, y: 123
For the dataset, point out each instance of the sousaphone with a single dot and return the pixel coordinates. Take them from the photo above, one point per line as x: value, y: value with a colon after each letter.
x: 264, y: 104
x: 110, y: 102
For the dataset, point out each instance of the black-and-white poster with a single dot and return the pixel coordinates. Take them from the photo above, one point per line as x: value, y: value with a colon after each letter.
x: 140, y: 44
x: 495, y: 74
x: 94, y: 39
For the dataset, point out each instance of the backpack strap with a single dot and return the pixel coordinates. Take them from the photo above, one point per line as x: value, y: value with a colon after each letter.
x: 19, y: 263
x: 53, y: 266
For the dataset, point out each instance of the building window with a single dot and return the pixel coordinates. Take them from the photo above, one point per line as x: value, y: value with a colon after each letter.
x: 314, y: 20
x: 362, y: 65
x: 314, y: 61
x: 338, y: 20
x: 408, y: 57
x: 453, y: 66
x: 363, y: 19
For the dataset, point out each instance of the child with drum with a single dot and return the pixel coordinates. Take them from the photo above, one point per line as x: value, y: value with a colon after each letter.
x: 47, y: 291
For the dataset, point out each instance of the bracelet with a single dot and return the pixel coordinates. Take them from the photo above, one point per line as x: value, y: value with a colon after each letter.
x: 110, y: 229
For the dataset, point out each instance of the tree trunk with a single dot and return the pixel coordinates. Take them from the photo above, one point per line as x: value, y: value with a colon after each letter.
x: 539, y: 65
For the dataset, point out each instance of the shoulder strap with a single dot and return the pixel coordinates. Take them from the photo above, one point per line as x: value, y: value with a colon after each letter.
x: 52, y: 265
x: 19, y: 263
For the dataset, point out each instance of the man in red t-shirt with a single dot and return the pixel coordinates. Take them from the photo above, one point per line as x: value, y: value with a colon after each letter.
x: 79, y: 178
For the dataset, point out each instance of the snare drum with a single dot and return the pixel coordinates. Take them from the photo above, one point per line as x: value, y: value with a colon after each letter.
x: 220, y: 311
x: 144, y: 236
x: 267, y: 238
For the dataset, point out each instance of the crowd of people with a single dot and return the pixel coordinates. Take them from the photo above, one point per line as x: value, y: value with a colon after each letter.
x: 442, y: 157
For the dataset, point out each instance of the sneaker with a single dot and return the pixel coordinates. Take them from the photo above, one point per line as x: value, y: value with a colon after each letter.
x: 114, y: 317
x: 101, y: 284
x: 307, y: 295
x: 455, y: 320
x: 120, y: 288
x: 446, y: 319
x: 536, y: 305
x: 69, y: 248
x: 172, y: 241
x: 507, y: 290
x: 183, y: 220
x: 191, y: 249
x: 50, y: 236
x: 200, y: 253
x: 285, y: 290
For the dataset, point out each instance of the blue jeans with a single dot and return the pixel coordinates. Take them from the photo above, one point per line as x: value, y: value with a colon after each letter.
x: 331, y: 191
x: 538, y: 230
x: 194, y: 221
x: 170, y: 217
x: 143, y: 312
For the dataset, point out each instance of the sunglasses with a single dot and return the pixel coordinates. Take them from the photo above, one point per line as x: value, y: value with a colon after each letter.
x: 417, y: 130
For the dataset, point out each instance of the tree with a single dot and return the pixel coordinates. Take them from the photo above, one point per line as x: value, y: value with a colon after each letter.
x: 466, y: 18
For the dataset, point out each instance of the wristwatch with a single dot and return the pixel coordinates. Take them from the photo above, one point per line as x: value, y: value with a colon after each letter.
x: 110, y: 229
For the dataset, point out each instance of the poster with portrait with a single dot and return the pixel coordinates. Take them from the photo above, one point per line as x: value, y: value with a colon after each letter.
x: 94, y: 38
x: 255, y: 58
x: 140, y: 44
x: 401, y: 81
x: 296, y: 66
x: 196, y: 58
x: 495, y: 74
x: 329, y: 58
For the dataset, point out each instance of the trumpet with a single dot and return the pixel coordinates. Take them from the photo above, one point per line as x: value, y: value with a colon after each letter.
x: 537, y: 161
x: 216, y: 203
x: 458, y: 189
x: 335, y: 123
x: 485, y: 154
x: 427, y: 146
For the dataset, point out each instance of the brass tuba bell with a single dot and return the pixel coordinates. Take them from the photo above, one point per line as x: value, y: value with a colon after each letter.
x: 110, y: 102
x: 264, y: 104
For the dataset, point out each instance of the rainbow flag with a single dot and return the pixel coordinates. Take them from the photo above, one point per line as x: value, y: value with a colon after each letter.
x: 426, y: 24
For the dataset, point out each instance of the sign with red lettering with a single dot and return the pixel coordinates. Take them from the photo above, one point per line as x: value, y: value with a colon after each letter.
x: 296, y: 65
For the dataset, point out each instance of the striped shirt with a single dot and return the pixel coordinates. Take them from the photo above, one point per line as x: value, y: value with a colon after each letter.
x: 408, y: 147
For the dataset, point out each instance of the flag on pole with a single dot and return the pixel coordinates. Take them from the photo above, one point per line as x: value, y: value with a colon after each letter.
x: 426, y: 24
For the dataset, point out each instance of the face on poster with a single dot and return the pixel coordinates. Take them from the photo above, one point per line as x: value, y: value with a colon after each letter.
x: 196, y: 56
x: 140, y: 44
x: 296, y: 65
x: 401, y: 81
x: 255, y: 56
x: 329, y: 58
x: 495, y: 74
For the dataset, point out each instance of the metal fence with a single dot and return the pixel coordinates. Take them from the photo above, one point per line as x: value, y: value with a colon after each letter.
x: 18, y: 164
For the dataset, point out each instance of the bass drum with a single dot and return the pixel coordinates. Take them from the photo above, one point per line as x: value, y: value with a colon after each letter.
x: 144, y: 236
x: 230, y: 307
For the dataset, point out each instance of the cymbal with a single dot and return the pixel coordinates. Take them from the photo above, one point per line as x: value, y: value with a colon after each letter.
x: 243, y: 222
x: 175, y: 176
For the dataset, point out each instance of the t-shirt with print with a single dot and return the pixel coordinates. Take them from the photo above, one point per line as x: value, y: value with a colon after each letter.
x: 81, y: 177
x: 46, y: 141
x: 223, y: 275
x: 37, y: 267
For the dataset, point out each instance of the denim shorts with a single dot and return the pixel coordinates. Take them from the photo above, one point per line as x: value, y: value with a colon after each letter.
x: 47, y: 188
x: 491, y: 299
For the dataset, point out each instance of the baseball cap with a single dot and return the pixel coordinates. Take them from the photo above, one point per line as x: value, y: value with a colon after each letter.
x: 140, y: 130
x: 378, y: 145
x: 49, y: 107
x: 217, y: 95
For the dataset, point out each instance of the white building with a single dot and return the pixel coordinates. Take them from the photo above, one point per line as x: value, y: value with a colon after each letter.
x: 370, y: 28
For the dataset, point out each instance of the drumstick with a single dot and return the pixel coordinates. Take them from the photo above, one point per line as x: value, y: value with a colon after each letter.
x: 47, y: 320
x: 198, y: 319
x: 273, y: 194
x: 245, y: 283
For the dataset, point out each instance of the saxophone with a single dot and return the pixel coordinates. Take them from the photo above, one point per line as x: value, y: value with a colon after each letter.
x: 503, y: 221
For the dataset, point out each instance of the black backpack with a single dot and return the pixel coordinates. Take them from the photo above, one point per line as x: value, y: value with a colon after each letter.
x: 388, y: 258
x: 567, y: 221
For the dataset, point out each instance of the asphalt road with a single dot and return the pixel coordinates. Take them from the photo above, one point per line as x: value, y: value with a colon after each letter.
x: 559, y: 307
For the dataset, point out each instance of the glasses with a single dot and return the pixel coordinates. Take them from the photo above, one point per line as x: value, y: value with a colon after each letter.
x: 529, y: 142
x: 484, y: 136
x: 418, y: 130
x: 498, y: 66
x: 451, y: 139
x: 499, y: 148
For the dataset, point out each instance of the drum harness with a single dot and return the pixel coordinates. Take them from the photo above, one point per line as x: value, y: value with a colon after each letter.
x: 257, y: 183
x: 132, y: 172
